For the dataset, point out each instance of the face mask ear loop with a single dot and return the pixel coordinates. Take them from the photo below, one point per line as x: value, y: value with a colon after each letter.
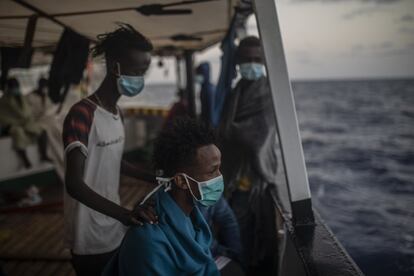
x: 167, y: 187
x: 189, y: 187
x: 118, y: 67
x: 162, y: 182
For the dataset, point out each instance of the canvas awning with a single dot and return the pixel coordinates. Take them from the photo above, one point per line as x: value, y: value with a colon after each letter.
x: 170, y: 24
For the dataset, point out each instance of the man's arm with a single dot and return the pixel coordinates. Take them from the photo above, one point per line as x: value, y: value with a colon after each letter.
x: 137, y: 172
x: 77, y: 188
x: 229, y: 232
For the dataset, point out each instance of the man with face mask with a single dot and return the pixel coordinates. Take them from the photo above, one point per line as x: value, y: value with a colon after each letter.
x: 248, y: 141
x: 189, y: 162
x: 93, y: 137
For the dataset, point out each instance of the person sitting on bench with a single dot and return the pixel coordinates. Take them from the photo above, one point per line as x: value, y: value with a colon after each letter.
x: 180, y: 243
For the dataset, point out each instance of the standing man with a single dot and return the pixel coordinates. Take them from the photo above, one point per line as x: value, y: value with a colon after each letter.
x: 206, y: 92
x: 93, y: 137
x: 248, y: 138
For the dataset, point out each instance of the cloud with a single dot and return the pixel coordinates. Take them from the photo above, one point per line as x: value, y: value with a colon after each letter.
x: 407, y: 18
x: 385, y: 48
x: 357, y: 48
x: 385, y: 45
x: 370, y: 7
x: 407, y: 50
x: 360, y: 12
x: 406, y: 30
x: 363, y: 1
x: 303, y: 57
x: 373, y: 5
x: 381, y: 1
x: 367, y: 6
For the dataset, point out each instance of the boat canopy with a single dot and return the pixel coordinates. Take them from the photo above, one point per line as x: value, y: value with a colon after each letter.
x: 179, y: 25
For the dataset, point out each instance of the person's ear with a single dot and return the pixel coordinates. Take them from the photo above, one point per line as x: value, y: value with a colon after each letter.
x: 180, y: 181
x: 113, y: 68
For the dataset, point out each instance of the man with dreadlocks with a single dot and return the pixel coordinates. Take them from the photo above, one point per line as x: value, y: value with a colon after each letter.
x: 93, y: 136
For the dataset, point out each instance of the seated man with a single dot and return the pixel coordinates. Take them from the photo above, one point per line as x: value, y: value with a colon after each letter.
x: 44, y: 113
x: 16, y: 114
x: 179, y: 244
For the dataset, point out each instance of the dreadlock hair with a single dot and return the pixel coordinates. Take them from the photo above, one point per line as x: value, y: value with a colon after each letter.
x: 118, y: 42
x: 248, y: 41
x: 176, y: 146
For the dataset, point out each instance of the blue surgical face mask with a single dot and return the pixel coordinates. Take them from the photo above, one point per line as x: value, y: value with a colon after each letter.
x: 129, y: 86
x: 210, y: 190
x: 251, y: 71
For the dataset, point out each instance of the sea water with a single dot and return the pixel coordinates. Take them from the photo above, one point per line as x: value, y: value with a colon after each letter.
x: 358, y: 140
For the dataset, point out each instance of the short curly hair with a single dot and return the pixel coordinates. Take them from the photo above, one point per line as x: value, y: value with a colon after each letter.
x: 176, y: 146
x: 117, y: 43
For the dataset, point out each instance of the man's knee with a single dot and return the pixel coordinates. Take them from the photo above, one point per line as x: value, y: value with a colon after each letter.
x: 19, y: 137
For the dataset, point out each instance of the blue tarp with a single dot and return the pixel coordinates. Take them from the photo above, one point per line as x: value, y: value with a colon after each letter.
x: 227, y: 73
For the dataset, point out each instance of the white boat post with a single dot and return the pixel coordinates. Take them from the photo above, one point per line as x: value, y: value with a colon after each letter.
x: 310, y: 242
x: 284, y: 106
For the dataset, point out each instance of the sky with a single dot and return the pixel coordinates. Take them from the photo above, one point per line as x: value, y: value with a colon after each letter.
x: 335, y: 39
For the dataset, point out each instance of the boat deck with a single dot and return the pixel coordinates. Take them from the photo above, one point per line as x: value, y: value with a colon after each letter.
x: 31, y: 243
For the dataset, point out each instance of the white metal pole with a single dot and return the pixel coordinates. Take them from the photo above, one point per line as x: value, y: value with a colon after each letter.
x: 284, y: 105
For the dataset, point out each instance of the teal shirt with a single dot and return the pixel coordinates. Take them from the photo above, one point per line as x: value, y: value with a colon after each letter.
x: 176, y: 246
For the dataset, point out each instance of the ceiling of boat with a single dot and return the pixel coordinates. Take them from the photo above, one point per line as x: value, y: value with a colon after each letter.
x: 201, y: 24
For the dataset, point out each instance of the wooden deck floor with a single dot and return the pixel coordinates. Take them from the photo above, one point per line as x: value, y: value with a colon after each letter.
x: 31, y: 243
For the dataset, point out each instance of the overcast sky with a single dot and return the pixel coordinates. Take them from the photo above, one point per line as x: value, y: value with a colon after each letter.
x: 327, y: 39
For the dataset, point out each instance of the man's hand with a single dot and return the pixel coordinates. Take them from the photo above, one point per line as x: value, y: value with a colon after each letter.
x: 146, y: 212
x: 128, y: 219
x: 140, y: 214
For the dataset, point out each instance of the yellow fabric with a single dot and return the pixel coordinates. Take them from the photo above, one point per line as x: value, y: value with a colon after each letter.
x: 17, y: 115
x: 245, y: 184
